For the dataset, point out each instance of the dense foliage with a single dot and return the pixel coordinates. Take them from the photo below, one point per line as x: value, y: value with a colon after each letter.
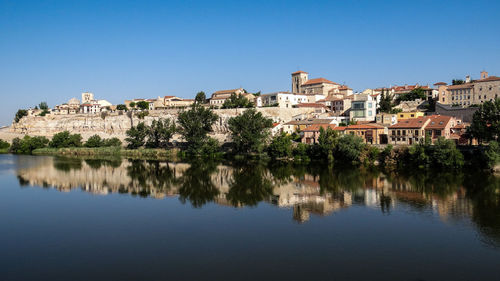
x: 65, y: 139
x: 4, y: 145
x: 200, y: 98
x: 280, y: 146
x: 136, y: 136
x: 143, y: 105
x: 97, y: 141
x: 121, y: 107
x: 385, y: 104
x: 237, y: 101
x: 27, y: 144
x: 194, y: 126
x: 249, y: 131
x: 485, y: 124
x: 159, y: 133
x: 20, y: 114
x: 417, y: 93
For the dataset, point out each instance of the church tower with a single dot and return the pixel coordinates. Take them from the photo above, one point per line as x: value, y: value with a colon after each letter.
x: 299, y: 78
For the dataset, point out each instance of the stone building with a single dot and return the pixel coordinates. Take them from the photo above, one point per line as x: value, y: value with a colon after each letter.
x: 301, y: 84
x: 363, y: 108
x: 281, y: 99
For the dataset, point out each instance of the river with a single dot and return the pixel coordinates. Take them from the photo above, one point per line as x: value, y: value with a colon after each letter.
x: 119, y: 219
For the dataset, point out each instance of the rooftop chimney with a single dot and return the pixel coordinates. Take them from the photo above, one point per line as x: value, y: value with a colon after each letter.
x: 467, y: 79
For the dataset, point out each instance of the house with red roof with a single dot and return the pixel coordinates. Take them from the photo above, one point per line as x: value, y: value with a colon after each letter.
x: 411, y: 131
x: 316, y: 88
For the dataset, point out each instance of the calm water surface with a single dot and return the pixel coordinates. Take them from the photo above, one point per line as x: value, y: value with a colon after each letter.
x: 75, y: 219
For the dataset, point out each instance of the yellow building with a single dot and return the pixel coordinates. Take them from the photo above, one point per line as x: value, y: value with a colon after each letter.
x: 410, y: 115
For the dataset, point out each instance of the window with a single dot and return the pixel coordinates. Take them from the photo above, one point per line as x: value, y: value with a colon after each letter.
x: 416, y: 132
x: 413, y: 115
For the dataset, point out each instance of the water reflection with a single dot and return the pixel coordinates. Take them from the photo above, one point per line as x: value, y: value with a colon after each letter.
x: 306, y: 190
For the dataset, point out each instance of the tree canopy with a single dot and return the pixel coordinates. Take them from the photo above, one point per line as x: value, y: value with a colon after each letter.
x: 143, y: 105
x: 201, y: 98
x: 249, y: 131
x: 237, y: 101
x: 194, y: 126
x: 485, y: 124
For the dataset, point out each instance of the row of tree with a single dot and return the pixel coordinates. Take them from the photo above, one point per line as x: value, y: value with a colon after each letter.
x: 27, y: 144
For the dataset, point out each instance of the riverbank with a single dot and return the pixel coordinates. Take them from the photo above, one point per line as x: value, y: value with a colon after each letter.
x: 143, y: 153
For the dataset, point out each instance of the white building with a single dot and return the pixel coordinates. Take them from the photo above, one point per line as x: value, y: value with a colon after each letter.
x: 363, y: 108
x: 282, y: 99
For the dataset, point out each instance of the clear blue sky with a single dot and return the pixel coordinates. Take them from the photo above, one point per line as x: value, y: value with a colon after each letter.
x: 53, y: 50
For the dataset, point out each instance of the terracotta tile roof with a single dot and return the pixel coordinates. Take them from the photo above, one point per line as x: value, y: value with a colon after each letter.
x: 364, y: 127
x: 318, y: 81
x: 226, y: 91
x: 439, y: 83
x: 310, y: 105
x: 489, y: 79
x: 322, y: 121
x: 462, y: 86
x: 340, y: 128
x: 275, y: 124
x: 413, y: 123
x: 408, y: 88
x: 316, y: 127
x: 438, y: 121
x: 300, y: 71
x: 168, y: 97
x: 344, y: 87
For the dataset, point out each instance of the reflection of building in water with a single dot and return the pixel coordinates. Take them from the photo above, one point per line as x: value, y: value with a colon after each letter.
x: 305, y: 195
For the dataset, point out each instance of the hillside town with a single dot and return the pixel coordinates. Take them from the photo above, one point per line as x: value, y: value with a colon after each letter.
x: 397, y: 115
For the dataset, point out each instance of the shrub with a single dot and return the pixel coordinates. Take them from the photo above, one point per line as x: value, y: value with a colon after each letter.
x: 136, y: 136
x: 27, y: 144
x: 4, y: 144
x: 94, y: 141
x: 20, y: 114
x: 65, y: 139
x: 111, y: 142
x: 349, y: 148
x: 492, y: 154
x: 280, y: 146
x: 159, y: 133
x: 142, y: 114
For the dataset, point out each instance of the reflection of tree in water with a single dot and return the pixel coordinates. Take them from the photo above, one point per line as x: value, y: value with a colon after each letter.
x: 150, y: 175
x: 98, y: 163
x: 484, y: 191
x: 196, y: 184
x: 67, y: 164
x: 250, y: 185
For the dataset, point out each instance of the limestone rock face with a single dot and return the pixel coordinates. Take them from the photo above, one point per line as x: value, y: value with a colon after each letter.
x: 116, y: 124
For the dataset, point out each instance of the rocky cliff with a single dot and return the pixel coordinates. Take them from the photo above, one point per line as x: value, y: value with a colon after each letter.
x: 116, y: 124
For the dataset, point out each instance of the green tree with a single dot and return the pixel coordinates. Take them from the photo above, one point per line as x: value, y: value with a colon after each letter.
x: 65, y: 139
x: 417, y: 93
x: 385, y: 104
x: 485, y: 125
x: 136, y: 136
x: 249, y: 131
x: 280, y: 146
x: 144, y: 105
x: 492, y: 154
x: 43, y: 106
x: 159, y: 133
x: 349, y: 148
x: 457, y: 82
x: 111, y: 142
x: 327, y: 141
x: 4, y: 146
x: 121, y: 107
x: 201, y: 98
x: 27, y: 144
x: 194, y: 126
x: 236, y: 101
x: 445, y: 154
x: 20, y: 114
x: 94, y: 141
x: 132, y: 104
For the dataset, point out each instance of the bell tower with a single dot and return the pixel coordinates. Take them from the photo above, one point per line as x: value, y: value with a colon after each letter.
x: 299, y: 78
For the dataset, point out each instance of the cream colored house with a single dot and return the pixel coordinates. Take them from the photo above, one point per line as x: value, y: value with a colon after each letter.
x: 173, y: 101
x: 218, y: 98
x: 282, y: 99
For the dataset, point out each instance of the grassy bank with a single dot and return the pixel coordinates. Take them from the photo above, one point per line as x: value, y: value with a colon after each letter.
x: 4, y: 150
x: 144, y: 153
